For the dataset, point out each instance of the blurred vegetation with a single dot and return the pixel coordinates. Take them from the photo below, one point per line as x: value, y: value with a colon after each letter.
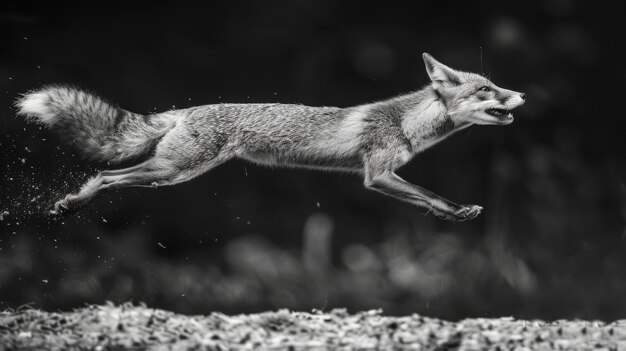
x: 550, y: 244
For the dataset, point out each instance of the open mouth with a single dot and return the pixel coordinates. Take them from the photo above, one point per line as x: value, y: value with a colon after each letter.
x: 498, y: 112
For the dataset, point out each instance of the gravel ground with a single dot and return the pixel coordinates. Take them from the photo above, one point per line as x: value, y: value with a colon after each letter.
x: 139, y: 327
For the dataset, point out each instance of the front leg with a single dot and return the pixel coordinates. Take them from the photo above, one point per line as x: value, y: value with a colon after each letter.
x: 390, y: 184
x: 379, y: 175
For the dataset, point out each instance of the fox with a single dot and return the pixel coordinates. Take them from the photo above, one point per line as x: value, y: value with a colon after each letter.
x: 372, y: 140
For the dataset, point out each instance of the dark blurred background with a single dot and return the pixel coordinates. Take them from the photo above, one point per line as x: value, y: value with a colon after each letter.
x: 551, y: 242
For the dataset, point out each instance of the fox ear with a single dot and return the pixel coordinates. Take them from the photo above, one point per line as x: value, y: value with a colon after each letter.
x: 440, y: 73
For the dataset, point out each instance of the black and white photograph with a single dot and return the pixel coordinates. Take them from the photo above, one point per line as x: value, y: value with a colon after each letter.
x: 313, y: 175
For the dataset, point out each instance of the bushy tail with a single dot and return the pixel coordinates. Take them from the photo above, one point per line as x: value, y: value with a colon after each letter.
x: 100, y: 130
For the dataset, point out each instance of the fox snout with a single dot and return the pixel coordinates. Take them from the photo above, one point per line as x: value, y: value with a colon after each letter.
x: 513, y: 99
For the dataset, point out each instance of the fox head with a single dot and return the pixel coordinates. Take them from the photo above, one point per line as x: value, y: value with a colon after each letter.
x: 470, y: 97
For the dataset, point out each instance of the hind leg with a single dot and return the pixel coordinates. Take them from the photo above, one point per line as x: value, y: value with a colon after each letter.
x: 144, y: 173
x: 152, y: 173
x: 179, y: 157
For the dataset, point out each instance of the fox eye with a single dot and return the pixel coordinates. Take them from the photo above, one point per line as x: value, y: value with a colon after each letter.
x: 484, y: 88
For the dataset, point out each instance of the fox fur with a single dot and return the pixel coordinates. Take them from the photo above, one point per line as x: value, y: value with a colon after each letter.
x: 372, y: 139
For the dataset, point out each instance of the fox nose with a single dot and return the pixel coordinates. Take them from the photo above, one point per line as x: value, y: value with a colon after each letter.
x: 523, y: 96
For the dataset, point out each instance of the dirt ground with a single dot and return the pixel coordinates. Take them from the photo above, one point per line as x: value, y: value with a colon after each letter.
x: 138, y: 327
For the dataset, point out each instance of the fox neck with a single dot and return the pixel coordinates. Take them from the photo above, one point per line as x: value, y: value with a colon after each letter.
x: 426, y: 122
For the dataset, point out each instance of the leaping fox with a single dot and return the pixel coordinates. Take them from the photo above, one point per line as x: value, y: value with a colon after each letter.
x: 372, y: 140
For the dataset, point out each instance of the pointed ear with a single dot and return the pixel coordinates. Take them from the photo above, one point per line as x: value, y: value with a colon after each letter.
x: 440, y: 73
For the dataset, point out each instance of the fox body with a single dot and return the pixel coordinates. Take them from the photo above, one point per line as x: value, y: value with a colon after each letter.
x: 372, y: 139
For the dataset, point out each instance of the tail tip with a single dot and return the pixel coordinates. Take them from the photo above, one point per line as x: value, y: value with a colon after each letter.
x: 35, y: 105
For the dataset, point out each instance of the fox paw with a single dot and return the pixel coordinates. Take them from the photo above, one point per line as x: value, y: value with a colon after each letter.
x: 467, y: 212
x: 62, y: 207
x: 460, y: 214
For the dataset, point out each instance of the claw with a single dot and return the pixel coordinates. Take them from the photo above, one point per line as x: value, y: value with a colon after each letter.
x: 463, y: 213
x: 468, y: 212
x: 475, y: 211
x: 60, y: 208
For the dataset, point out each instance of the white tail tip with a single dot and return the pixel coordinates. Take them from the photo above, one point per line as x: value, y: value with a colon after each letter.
x: 36, y: 105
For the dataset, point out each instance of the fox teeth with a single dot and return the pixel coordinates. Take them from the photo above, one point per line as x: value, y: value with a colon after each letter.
x: 498, y: 112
